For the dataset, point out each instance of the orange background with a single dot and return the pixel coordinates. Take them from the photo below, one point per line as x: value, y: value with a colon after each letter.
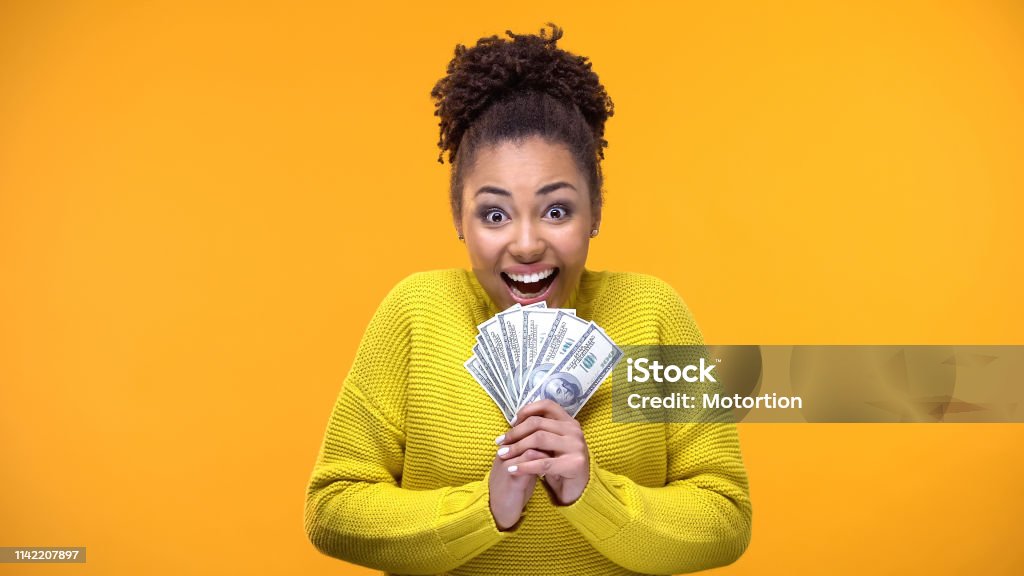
x: 202, y: 205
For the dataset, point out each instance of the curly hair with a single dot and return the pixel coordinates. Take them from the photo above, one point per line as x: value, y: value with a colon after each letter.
x: 505, y: 89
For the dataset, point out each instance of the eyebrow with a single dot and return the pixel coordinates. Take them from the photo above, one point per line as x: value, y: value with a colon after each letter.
x: 545, y: 189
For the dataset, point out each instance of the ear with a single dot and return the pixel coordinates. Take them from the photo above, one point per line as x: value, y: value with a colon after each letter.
x: 595, y: 222
x: 458, y: 228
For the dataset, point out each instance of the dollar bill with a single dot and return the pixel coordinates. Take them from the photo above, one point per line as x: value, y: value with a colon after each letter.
x: 536, y: 326
x: 527, y: 353
x: 489, y: 373
x: 511, y: 323
x: 474, y: 368
x: 498, y: 354
x: 566, y: 329
x: 495, y: 358
x: 576, y: 376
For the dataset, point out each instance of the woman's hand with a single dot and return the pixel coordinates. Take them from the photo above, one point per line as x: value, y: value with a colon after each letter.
x: 509, y: 493
x: 564, y: 464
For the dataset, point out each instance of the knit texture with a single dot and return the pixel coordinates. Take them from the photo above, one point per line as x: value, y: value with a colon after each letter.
x: 401, y: 481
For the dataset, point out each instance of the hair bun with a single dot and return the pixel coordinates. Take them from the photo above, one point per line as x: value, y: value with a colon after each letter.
x: 497, y: 68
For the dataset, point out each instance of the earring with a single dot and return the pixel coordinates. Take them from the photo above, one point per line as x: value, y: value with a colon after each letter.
x: 594, y: 232
x: 461, y: 237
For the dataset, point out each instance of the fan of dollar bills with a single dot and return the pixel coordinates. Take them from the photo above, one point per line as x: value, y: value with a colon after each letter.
x: 529, y: 353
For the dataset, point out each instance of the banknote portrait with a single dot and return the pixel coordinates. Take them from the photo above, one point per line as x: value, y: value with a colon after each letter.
x: 564, y: 389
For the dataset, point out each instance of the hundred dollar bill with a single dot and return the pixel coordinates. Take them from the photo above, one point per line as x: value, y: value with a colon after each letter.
x: 536, y: 325
x: 495, y: 363
x: 474, y: 368
x: 495, y: 369
x: 489, y: 350
x: 488, y: 371
x: 498, y: 354
x: 575, y: 378
x: 566, y: 329
x: 511, y: 323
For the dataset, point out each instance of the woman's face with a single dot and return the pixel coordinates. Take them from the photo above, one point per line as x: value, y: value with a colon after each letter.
x: 526, y: 218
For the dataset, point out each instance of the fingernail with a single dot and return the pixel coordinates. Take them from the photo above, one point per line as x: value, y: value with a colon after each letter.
x: 499, y: 439
x: 503, y: 450
x: 513, y: 421
x: 512, y: 469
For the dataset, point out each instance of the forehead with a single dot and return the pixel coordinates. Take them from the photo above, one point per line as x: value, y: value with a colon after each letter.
x: 524, y: 164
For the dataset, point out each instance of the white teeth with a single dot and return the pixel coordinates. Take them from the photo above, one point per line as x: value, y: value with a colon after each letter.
x: 531, y: 278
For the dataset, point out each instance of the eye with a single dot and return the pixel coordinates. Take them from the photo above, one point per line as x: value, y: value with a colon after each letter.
x: 494, y: 216
x: 557, y: 212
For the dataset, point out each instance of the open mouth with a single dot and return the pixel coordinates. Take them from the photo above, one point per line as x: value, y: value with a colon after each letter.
x: 530, y: 286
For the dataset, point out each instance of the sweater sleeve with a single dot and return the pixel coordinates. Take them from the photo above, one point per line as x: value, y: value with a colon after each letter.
x: 700, y: 518
x: 356, y: 509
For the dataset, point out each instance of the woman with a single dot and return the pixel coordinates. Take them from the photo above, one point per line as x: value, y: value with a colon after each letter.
x: 409, y: 479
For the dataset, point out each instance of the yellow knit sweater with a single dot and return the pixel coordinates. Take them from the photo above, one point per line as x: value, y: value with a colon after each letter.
x: 401, y: 482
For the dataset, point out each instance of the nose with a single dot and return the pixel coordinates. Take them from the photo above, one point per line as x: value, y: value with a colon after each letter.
x: 527, y: 245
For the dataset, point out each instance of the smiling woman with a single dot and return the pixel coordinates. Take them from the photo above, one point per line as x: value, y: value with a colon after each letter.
x: 408, y: 479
